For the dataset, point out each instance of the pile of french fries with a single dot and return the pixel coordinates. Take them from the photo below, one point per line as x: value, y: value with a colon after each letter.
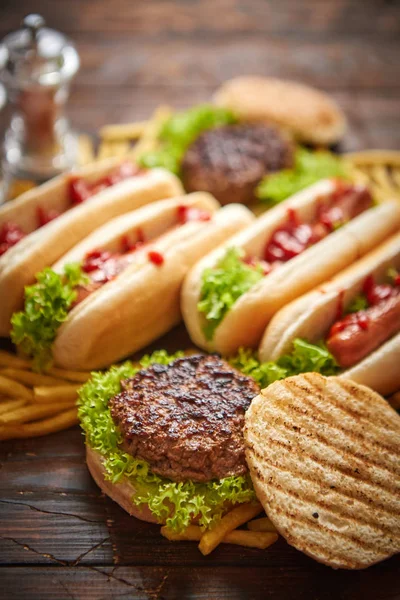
x: 33, y: 404
x: 260, y: 533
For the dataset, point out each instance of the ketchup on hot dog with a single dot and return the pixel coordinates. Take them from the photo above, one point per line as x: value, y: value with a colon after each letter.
x: 80, y: 190
x: 10, y: 234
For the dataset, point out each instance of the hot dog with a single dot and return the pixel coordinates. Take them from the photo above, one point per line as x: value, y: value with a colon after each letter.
x: 356, y: 315
x: 118, y: 289
x: 230, y: 296
x: 37, y: 228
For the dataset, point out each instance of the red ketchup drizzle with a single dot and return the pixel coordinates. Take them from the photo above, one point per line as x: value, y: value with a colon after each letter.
x: 192, y: 213
x: 375, y: 293
x: 289, y: 240
x: 359, y: 318
x: 10, y: 234
x: 80, y: 190
x: 95, y: 260
x: 45, y: 216
x: 156, y: 258
x: 128, y: 246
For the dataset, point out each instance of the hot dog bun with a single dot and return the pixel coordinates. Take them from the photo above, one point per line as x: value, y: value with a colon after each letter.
x: 323, y: 454
x: 245, y: 322
x: 141, y: 303
x: 44, y: 246
x: 309, y: 114
x: 311, y: 316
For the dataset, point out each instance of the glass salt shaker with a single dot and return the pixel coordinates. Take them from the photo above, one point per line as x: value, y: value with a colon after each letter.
x: 37, y: 65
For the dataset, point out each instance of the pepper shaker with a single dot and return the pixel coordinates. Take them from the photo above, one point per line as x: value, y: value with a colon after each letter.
x: 37, y: 65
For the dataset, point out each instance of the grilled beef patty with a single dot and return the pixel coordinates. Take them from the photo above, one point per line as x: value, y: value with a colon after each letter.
x: 230, y: 161
x: 186, y: 419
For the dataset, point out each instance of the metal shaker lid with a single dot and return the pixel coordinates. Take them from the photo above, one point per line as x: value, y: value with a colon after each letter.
x: 37, y: 55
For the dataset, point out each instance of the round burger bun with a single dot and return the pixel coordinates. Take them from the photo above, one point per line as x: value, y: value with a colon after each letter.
x: 323, y: 454
x: 121, y: 492
x: 309, y: 114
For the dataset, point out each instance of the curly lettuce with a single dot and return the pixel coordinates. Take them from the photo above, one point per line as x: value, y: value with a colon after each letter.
x: 303, y: 358
x: 47, y: 303
x: 223, y: 284
x: 187, y: 499
x: 180, y: 130
x: 309, y: 167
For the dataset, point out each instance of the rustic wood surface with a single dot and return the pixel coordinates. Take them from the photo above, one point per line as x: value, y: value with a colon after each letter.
x: 60, y: 538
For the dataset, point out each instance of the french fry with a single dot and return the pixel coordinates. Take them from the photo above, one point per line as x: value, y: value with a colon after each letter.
x: 372, y: 157
x: 250, y: 539
x: 61, y: 421
x: 30, y: 378
x: 33, y: 412
x: 56, y: 394
x: 263, y: 524
x: 233, y: 519
x: 7, y: 359
x: 85, y: 150
x: 9, y: 405
x: 127, y: 131
x: 192, y: 533
x: 8, y: 387
x: 75, y: 376
x: 148, y: 140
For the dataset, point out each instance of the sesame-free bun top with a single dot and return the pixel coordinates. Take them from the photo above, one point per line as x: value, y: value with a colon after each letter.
x: 309, y: 114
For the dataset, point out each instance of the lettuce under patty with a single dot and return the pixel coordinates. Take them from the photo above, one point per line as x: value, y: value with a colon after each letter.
x: 47, y: 304
x: 180, y: 130
x: 188, y: 499
x: 309, y: 167
x: 222, y: 285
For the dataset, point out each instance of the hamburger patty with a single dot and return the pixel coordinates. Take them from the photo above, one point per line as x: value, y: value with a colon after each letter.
x: 230, y: 161
x: 186, y: 419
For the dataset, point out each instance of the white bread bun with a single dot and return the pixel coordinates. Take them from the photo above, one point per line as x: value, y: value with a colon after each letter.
x: 142, y: 303
x: 311, y: 316
x: 309, y: 114
x: 121, y: 492
x: 152, y: 221
x: 245, y: 322
x: 44, y: 246
x: 323, y: 454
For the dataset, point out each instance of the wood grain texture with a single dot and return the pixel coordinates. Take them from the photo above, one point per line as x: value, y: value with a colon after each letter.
x: 59, y: 537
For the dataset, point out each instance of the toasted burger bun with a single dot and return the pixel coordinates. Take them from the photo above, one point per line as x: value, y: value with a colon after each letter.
x: 324, y: 458
x: 245, y: 322
x: 121, y: 492
x: 312, y: 315
x: 312, y: 116
x: 19, y: 265
x: 142, y: 303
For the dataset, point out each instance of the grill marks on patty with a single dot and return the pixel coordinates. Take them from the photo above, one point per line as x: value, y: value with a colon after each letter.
x: 186, y: 418
x: 230, y: 161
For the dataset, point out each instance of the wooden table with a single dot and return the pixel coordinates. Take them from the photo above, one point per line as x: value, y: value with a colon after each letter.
x: 60, y: 538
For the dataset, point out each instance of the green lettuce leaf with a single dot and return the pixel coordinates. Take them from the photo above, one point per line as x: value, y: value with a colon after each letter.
x: 309, y: 167
x: 358, y: 303
x: 304, y: 358
x: 222, y: 285
x: 47, y: 303
x: 180, y: 130
x: 188, y: 499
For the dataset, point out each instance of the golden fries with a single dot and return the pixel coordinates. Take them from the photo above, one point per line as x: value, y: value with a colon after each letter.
x: 127, y: 131
x: 85, y: 150
x: 26, y: 430
x: 192, y: 533
x: 8, y: 387
x: 250, y: 539
x: 32, y: 412
x: 263, y: 524
x: 75, y: 376
x: 236, y: 517
x: 57, y: 394
x: 148, y: 140
x: 30, y: 378
x: 11, y: 360
x: 9, y: 405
